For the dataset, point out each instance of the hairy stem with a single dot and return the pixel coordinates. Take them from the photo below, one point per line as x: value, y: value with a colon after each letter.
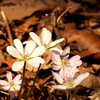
x: 34, y: 80
x: 23, y: 77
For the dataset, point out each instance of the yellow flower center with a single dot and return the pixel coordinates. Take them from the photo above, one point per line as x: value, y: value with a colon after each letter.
x: 25, y: 57
x: 11, y: 83
x: 69, y: 83
x: 63, y: 64
x: 45, y: 45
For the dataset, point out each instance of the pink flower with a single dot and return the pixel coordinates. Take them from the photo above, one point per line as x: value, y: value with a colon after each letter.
x: 12, y: 84
x: 61, y: 61
x: 66, y: 78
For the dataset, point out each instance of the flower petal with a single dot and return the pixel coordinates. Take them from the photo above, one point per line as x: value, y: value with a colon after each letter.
x: 56, y: 49
x: 66, y: 51
x: 46, y: 36
x: 17, y: 65
x: 30, y: 46
x: 58, y: 77
x: 35, y: 38
x: 38, y: 51
x: 17, y: 78
x: 18, y: 44
x: 18, y: 82
x: 55, y: 67
x: 80, y: 78
x: 6, y: 87
x: 64, y: 72
x: 9, y: 76
x: 13, y: 51
x: 56, y: 42
x: 3, y: 82
x: 56, y: 57
x: 59, y: 87
x: 35, y: 61
x: 17, y: 87
x: 75, y: 60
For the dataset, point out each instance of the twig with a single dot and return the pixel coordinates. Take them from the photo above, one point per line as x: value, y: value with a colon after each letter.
x: 63, y: 14
x: 23, y: 77
x: 8, y: 28
x: 95, y: 96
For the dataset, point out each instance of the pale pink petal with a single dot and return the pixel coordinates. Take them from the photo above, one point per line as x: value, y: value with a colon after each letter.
x: 74, y: 58
x: 66, y: 51
x: 64, y: 71
x: 3, y: 82
x: 14, y: 52
x: 59, y: 87
x: 73, y: 71
x: 38, y: 51
x: 12, y: 93
x: 17, y: 65
x: 80, y: 78
x: 30, y: 46
x: 18, y: 44
x: 17, y: 78
x: 35, y: 38
x: 18, y: 82
x: 56, y: 42
x: 58, y: 77
x: 9, y: 76
x: 55, y: 67
x: 56, y: 58
x: 76, y: 63
x: 46, y: 36
x: 6, y: 87
x: 35, y: 61
x: 56, y: 49
x: 17, y: 87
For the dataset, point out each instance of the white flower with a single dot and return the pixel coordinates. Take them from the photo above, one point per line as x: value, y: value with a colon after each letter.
x: 12, y: 84
x: 59, y: 62
x: 29, y: 54
x: 46, y: 38
x: 66, y: 78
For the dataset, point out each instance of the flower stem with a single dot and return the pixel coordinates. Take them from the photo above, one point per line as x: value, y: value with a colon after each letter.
x: 19, y: 94
x: 67, y: 94
x: 34, y: 80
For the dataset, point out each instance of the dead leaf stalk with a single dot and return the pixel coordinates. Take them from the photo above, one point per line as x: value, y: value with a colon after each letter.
x: 8, y: 28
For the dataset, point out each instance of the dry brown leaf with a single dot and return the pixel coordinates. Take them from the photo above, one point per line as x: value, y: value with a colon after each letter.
x: 21, y: 29
x: 91, y: 81
x: 87, y: 42
x: 4, y: 69
x: 9, y: 62
x: 18, y: 9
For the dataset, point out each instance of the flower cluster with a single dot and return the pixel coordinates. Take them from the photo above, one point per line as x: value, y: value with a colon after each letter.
x: 32, y: 54
x: 67, y: 69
